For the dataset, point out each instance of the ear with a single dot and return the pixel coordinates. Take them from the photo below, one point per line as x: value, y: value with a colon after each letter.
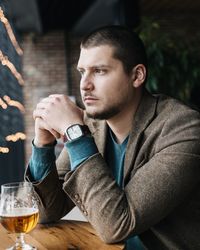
x: 139, y: 75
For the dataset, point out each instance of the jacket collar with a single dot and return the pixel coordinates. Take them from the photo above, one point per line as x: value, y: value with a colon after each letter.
x: 142, y: 118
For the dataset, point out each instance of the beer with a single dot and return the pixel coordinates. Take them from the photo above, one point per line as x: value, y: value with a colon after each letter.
x: 20, y: 220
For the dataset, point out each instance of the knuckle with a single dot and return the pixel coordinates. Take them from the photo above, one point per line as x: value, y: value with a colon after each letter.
x: 57, y: 99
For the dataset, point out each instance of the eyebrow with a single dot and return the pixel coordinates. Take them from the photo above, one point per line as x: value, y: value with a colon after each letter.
x: 96, y: 66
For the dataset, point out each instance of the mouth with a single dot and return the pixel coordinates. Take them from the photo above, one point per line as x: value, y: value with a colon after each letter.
x: 89, y: 99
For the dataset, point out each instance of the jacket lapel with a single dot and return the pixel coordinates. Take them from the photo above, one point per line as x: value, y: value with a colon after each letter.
x: 99, y: 131
x: 142, y: 118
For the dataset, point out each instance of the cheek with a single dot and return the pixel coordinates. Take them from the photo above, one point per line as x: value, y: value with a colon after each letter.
x: 122, y: 88
x: 81, y: 92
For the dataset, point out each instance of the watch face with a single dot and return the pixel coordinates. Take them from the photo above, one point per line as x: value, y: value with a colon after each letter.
x: 74, y: 132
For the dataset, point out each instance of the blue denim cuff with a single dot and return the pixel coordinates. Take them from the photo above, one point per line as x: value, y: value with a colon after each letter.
x: 43, y: 155
x: 41, y: 162
x: 80, y: 150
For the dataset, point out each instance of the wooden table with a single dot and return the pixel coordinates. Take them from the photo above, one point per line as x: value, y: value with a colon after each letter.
x: 64, y: 235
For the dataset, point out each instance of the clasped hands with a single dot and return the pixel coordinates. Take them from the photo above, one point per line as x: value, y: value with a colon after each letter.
x: 52, y: 116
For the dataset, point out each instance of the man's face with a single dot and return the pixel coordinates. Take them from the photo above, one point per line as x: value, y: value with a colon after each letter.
x: 106, y: 89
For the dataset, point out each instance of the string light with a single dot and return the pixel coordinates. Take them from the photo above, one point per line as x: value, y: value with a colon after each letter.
x: 11, y: 35
x: 4, y: 150
x: 3, y: 104
x: 4, y: 61
x: 16, y: 137
x: 14, y: 103
x: 7, y: 101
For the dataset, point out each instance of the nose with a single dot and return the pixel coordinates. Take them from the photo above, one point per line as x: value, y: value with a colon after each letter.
x: 86, y: 82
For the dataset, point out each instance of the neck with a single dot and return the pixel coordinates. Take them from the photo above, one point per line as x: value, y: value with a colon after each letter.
x: 121, y: 123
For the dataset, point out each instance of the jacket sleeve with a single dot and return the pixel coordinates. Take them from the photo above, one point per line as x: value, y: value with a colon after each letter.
x: 162, y: 181
x: 54, y: 203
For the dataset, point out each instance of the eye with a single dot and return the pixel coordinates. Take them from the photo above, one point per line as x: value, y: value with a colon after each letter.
x: 81, y: 72
x: 100, y: 71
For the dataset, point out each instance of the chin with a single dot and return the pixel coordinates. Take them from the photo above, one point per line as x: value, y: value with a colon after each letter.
x: 94, y: 114
x: 104, y: 115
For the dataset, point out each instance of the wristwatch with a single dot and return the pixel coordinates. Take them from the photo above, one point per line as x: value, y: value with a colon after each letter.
x: 76, y: 131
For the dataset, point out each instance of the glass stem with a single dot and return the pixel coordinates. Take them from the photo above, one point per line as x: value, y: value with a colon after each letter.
x: 20, y: 241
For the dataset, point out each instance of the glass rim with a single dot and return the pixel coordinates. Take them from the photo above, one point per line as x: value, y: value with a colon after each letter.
x: 17, y: 184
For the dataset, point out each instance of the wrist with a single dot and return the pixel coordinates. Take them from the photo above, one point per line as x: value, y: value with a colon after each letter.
x: 40, y: 144
x: 70, y: 124
x: 76, y: 131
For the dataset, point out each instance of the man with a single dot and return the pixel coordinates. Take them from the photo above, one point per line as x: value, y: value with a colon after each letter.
x: 131, y: 161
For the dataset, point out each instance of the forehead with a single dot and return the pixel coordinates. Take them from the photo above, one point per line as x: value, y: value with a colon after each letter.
x: 96, y: 55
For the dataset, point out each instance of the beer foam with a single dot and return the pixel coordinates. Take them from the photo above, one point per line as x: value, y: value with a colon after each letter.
x: 20, y: 212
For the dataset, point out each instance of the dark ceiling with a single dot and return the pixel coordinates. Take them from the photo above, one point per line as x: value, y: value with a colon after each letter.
x: 57, y: 14
x: 83, y: 15
x: 41, y: 16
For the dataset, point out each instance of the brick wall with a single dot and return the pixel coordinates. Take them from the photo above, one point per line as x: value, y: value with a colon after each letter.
x: 44, y: 72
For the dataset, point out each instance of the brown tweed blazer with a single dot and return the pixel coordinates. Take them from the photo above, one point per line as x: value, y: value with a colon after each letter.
x: 161, y: 196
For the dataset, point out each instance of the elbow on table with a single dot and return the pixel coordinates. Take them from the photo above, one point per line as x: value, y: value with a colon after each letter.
x: 112, y: 237
x: 119, y: 231
x: 115, y: 231
x: 108, y: 240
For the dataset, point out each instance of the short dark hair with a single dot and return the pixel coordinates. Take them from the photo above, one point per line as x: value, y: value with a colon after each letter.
x: 128, y: 47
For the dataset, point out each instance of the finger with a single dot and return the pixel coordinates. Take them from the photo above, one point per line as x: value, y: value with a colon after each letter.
x: 48, y: 101
x: 59, y: 97
x: 38, y: 113
x: 54, y: 133
x: 43, y: 105
x: 44, y: 125
x: 45, y: 100
x: 56, y: 95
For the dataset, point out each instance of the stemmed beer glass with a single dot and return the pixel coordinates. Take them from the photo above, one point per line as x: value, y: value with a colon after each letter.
x: 19, y: 211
